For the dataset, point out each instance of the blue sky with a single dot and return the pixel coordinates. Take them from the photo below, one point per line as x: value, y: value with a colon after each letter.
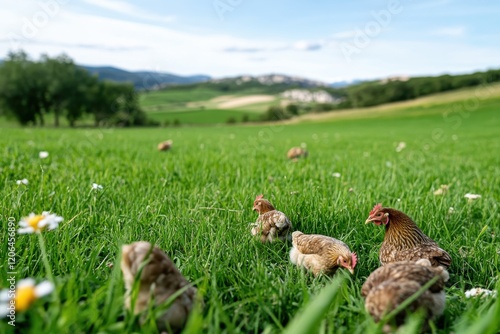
x: 323, y: 40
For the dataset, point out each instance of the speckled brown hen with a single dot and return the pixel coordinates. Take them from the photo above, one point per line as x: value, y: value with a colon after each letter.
x: 321, y: 254
x: 296, y: 152
x: 159, y: 280
x: 403, y: 240
x: 390, y: 285
x: 165, y: 145
x: 271, y: 223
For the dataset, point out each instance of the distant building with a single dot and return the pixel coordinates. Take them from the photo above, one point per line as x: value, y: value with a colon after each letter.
x: 303, y: 95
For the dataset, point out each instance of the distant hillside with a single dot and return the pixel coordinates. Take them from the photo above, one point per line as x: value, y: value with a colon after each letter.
x: 144, y: 80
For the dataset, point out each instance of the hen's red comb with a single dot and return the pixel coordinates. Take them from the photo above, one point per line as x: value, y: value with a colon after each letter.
x: 376, y: 208
x: 261, y: 196
x: 354, y: 260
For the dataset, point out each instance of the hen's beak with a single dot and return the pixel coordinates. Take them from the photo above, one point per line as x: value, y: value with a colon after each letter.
x: 351, y: 270
x: 368, y: 221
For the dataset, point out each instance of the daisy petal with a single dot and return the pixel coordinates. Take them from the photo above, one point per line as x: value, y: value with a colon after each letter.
x: 26, y: 282
x: 26, y: 230
x: 44, y: 288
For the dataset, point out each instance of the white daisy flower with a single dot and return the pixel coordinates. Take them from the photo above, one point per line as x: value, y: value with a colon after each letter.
x: 472, y: 197
x: 37, y: 223
x: 336, y: 175
x: 479, y: 292
x: 96, y: 186
x: 442, y: 190
x: 43, y: 154
x: 25, y: 294
x: 401, y: 146
x: 23, y: 181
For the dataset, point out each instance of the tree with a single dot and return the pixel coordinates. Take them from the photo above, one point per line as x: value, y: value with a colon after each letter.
x: 29, y: 90
x: 22, y: 88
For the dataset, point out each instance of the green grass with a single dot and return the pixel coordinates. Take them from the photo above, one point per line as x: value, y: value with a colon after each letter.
x: 182, y: 96
x: 195, y: 203
x: 205, y: 116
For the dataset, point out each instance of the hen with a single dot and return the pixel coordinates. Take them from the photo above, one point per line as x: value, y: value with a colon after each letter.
x: 296, y: 152
x: 403, y: 240
x: 165, y: 145
x: 390, y: 285
x: 159, y: 280
x: 321, y: 254
x: 271, y: 223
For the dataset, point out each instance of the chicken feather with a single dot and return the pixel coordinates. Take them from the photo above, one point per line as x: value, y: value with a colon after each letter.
x: 390, y: 285
x: 271, y: 224
x: 404, y: 241
x: 320, y: 253
x: 158, y: 281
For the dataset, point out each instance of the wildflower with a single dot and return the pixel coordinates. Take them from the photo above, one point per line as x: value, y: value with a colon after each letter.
x: 96, y: 186
x: 451, y: 210
x: 388, y: 164
x: 303, y: 145
x: 472, y: 197
x: 23, y: 181
x: 441, y: 190
x: 476, y: 292
x: 336, y: 174
x: 43, y: 154
x: 37, y: 223
x: 25, y: 294
x: 401, y: 146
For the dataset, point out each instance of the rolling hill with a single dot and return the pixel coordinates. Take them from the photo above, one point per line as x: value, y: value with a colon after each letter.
x: 144, y: 80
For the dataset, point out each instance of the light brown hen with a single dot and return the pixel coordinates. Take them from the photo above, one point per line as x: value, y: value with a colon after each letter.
x: 296, y: 152
x: 390, y: 285
x: 403, y: 240
x: 271, y: 223
x: 158, y: 281
x: 165, y: 145
x: 321, y: 254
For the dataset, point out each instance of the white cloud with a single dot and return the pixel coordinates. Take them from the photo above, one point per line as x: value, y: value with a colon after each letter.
x: 450, y: 31
x: 344, y: 34
x: 307, y: 45
x: 129, y: 10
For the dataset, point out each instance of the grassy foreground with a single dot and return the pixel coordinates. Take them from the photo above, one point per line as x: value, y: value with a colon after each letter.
x: 195, y: 203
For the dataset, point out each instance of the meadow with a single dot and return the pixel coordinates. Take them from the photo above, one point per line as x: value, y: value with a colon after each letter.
x: 195, y: 202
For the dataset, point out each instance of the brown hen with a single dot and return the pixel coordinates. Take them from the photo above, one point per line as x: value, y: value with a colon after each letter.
x: 296, y: 152
x: 271, y: 223
x: 158, y: 281
x: 390, y: 285
x: 321, y: 254
x: 403, y: 240
x: 165, y: 145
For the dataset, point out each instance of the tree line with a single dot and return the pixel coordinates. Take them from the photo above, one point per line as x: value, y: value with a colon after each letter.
x: 376, y: 92
x: 31, y: 90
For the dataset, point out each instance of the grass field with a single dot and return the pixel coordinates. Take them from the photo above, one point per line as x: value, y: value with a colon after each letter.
x: 203, y: 105
x: 195, y: 203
